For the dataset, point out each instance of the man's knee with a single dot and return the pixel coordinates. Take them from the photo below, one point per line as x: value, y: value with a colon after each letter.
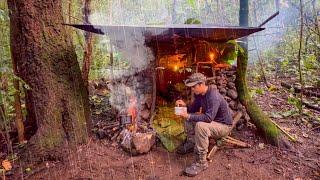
x: 201, y: 127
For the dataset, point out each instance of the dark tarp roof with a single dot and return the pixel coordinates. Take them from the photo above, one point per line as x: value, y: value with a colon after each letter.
x: 167, y: 33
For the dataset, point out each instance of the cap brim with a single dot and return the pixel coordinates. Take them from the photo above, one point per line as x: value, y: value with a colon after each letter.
x: 190, y: 84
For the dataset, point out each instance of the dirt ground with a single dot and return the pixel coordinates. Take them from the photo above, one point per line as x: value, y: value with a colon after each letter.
x: 101, y: 159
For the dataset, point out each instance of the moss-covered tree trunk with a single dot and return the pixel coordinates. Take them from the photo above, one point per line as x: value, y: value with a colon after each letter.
x: 258, y: 117
x: 47, y: 62
x: 263, y: 123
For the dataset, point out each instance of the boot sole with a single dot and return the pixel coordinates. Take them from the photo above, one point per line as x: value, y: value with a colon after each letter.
x: 193, y: 175
x: 189, y: 175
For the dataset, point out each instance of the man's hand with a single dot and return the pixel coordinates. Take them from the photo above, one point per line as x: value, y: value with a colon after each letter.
x: 185, y: 115
x: 180, y: 103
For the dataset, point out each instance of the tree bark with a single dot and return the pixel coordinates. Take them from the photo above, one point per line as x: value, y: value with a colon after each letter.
x: 47, y: 62
x: 261, y: 121
x: 87, y: 57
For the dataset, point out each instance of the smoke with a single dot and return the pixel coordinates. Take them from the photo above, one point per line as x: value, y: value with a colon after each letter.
x: 121, y: 96
x: 276, y: 29
x: 131, y: 56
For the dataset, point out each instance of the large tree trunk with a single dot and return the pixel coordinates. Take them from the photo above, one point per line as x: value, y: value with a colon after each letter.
x: 87, y: 57
x: 47, y: 62
x: 262, y: 122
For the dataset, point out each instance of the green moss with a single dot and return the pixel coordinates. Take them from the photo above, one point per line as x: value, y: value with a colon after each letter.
x: 51, y: 139
x: 262, y: 122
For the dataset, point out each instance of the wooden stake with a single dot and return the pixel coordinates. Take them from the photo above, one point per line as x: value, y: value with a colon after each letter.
x: 212, y: 152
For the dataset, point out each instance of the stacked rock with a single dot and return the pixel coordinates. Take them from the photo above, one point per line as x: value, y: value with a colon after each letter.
x: 224, y: 79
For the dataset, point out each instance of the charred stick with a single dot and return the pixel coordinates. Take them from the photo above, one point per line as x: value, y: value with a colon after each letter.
x: 115, y: 135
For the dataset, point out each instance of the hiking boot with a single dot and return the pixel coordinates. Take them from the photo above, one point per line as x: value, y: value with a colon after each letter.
x: 186, y: 147
x: 196, y: 167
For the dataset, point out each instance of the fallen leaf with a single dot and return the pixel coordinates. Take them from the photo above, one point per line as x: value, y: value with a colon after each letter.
x: 276, y: 115
x: 28, y: 169
x: 272, y: 88
x: 287, y: 129
x: 6, y: 165
x: 261, y: 145
x: 305, y: 135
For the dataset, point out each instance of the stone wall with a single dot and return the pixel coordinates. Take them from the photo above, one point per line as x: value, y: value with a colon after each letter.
x: 225, y: 81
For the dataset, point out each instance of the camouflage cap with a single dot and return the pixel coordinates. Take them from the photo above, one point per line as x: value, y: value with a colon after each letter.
x: 194, y: 79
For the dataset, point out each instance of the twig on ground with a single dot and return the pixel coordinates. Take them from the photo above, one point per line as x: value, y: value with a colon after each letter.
x: 285, y: 132
x: 317, y: 127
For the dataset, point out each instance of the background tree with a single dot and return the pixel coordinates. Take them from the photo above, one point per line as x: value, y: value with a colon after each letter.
x: 46, y: 61
x: 87, y: 57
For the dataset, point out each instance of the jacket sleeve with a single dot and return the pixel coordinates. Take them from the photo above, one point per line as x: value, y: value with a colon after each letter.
x: 213, y: 104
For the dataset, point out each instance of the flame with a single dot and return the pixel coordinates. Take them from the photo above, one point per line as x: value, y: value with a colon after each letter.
x: 132, y: 111
x: 175, y: 68
x: 211, y: 56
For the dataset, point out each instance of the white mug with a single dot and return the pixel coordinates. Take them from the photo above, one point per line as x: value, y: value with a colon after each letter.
x: 179, y: 110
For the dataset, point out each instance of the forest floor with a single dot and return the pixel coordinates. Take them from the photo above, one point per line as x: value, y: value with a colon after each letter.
x: 102, y: 159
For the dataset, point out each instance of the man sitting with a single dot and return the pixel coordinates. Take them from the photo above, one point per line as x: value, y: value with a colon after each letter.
x: 212, y: 118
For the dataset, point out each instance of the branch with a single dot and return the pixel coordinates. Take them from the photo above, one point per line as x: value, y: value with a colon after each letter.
x: 298, y: 90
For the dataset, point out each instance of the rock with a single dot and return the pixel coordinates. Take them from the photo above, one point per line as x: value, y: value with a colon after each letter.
x: 233, y: 105
x: 145, y: 114
x: 142, y: 142
x: 232, y: 93
x: 230, y: 73
x: 232, y: 79
x: 246, y: 117
x: 240, y: 124
x: 228, y: 99
x: 240, y: 107
x: 138, y: 143
x: 221, y: 82
x: 231, y: 85
x: 223, y: 91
